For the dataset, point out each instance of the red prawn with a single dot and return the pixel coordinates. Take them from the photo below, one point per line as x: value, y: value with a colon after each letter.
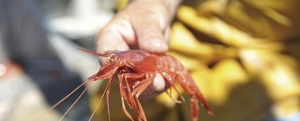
x: 136, y: 70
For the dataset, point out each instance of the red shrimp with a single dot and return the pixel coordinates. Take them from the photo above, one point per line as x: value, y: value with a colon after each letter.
x: 136, y: 70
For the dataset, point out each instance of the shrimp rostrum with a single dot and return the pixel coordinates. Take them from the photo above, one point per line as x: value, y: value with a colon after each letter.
x: 136, y: 70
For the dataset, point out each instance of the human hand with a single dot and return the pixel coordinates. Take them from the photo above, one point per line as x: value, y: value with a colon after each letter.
x: 143, y: 24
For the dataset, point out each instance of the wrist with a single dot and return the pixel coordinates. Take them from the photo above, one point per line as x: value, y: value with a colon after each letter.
x: 170, y: 5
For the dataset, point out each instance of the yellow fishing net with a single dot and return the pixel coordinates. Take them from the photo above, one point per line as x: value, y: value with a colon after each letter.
x: 244, y: 56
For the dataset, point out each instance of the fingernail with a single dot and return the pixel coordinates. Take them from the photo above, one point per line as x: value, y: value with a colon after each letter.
x: 158, y: 46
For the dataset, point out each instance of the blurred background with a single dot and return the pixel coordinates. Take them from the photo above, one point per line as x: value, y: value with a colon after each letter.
x: 243, y: 54
x: 39, y: 62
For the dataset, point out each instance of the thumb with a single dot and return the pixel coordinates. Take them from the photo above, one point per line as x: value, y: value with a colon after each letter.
x: 152, y: 33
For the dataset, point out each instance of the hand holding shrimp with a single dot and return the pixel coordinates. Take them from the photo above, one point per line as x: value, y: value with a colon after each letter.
x: 138, y: 27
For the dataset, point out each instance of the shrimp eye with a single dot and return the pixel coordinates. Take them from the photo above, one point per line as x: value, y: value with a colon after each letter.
x: 111, y: 59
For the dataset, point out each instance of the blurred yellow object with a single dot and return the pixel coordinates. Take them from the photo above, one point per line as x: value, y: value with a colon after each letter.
x: 227, y: 75
x: 209, y: 52
x: 121, y: 4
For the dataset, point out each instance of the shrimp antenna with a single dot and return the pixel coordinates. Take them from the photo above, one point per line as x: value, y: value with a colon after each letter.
x: 59, y: 102
x: 105, y: 54
x: 76, y: 99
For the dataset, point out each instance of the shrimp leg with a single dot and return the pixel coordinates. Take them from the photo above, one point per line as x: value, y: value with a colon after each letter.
x: 138, y: 89
x: 169, y: 77
x: 190, y: 87
x: 123, y: 83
